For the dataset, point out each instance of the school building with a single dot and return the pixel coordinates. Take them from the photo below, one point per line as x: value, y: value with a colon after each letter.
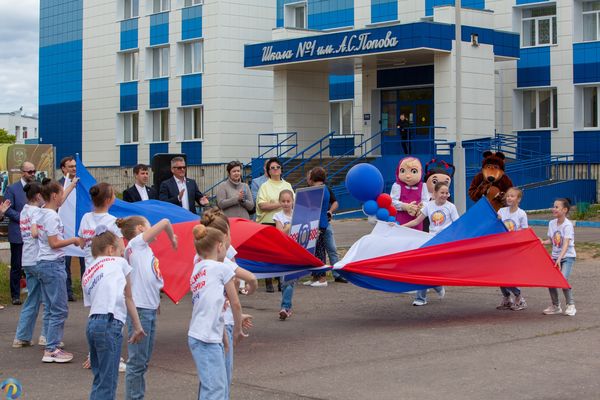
x: 327, y: 80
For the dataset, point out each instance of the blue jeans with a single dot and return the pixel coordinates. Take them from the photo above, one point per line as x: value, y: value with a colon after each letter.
x: 139, y: 355
x: 210, y: 363
x: 104, y: 336
x: 422, y: 294
x: 331, y: 248
x: 229, y: 359
x: 506, y: 291
x: 31, y: 307
x: 566, y: 266
x: 287, y: 292
x: 53, y: 278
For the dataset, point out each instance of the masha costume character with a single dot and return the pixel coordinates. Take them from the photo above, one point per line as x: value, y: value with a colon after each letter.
x: 409, y: 192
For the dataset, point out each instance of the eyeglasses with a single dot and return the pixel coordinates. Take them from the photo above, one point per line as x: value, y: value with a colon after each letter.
x: 180, y: 168
x: 33, y: 171
x: 275, y: 167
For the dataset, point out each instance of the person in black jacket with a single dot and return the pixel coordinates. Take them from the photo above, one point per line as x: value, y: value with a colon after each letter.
x: 403, y: 126
x: 140, y: 190
x: 181, y: 190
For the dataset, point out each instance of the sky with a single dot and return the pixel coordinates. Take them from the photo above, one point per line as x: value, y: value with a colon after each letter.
x: 19, y: 38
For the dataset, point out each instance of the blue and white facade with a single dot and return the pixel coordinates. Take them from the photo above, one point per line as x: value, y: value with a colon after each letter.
x: 125, y: 79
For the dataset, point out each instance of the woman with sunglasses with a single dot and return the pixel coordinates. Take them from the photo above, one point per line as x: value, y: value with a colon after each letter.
x: 234, y: 196
x: 267, y: 200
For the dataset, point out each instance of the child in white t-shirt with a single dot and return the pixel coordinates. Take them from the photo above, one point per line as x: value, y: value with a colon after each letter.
x: 561, y: 234
x: 206, y: 337
x: 146, y: 284
x: 107, y: 291
x: 283, y: 222
x: 441, y: 214
x: 514, y: 219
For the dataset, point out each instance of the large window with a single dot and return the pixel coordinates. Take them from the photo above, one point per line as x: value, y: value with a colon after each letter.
x: 192, y: 123
x: 160, y: 62
x: 590, y: 107
x: 192, y: 57
x: 130, y: 8
x: 130, y: 66
x: 160, y: 126
x: 295, y: 15
x: 539, y: 26
x: 539, y: 109
x: 340, y: 117
x: 189, y: 3
x: 161, y: 5
x: 130, y: 127
x: 591, y: 21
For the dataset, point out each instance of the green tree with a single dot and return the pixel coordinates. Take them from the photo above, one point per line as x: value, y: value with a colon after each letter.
x: 5, y: 137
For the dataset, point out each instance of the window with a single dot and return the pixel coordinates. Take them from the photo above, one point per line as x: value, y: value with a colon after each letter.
x: 295, y: 15
x: 539, y: 109
x: 189, y: 3
x: 192, y: 123
x: 130, y: 66
x: 591, y: 21
x: 130, y: 128
x: 340, y: 117
x: 161, y: 5
x: 590, y: 107
x: 130, y: 8
x: 160, y: 62
x: 160, y: 126
x: 192, y: 57
x: 539, y: 26
x: 24, y: 132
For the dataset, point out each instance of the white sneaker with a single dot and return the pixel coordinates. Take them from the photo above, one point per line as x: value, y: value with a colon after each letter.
x: 552, y: 310
x: 570, y: 310
x: 308, y: 283
x: 442, y: 293
x: 319, y: 284
x: 419, y: 302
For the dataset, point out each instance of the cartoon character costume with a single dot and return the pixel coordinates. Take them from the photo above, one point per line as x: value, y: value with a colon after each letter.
x: 491, y: 181
x: 409, y: 192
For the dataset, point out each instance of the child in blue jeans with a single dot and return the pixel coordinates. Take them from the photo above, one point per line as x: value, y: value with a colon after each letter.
x: 283, y: 222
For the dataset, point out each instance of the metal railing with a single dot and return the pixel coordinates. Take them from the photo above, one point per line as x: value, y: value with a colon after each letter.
x: 284, y: 143
x: 305, y: 155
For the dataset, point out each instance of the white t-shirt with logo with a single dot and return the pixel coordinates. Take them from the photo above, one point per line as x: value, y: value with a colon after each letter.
x: 146, y: 279
x: 103, y: 286
x: 440, y: 217
x: 513, y: 221
x: 87, y: 231
x: 558, y: 233
x: 49, y: 224
x: 207, y: 284
x: 282, y: 218
x: 29, y: 215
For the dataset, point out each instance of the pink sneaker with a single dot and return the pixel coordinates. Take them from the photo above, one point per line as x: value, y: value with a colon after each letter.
x: 284, y: 314
x: 58, y: 356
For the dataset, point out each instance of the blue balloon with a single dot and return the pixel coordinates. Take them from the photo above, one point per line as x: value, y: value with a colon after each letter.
x: 370, y: 207
x: 383, y: 214
x: 392, y: 219
x: 364, y: 182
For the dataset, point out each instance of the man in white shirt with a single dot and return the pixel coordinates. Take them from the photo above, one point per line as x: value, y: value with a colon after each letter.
x: 181, y: 190
x: 140, y: 191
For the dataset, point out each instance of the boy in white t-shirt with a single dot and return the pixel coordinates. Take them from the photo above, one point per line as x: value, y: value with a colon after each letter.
x: 514, y: 219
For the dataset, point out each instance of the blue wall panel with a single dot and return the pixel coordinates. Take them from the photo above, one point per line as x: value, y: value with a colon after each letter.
x: 129, y: 98
x: 421, y: 75
x: 540, y: 197
x: 327, y: 14
x: 533, y: 68
x: 156, y: 148
x: 191, y: 89
x: 586, y: 62
x: 429, y: 4
x: 519, y: 2
x: 129, y: 155
x: 159, y: 93
x: 159, y: 28
x: 587, y: 146
x: 129, y: 34
x: 384, y: 10
x: 191, y: 22
x: 531, y: 142
x: 341, y: 87
x: 193, y: 151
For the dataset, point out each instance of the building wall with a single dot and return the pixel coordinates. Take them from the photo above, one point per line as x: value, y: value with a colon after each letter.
x: 24, y: 127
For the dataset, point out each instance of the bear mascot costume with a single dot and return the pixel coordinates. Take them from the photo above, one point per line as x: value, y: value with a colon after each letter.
x: 491, y: 181
x: 409, y: 192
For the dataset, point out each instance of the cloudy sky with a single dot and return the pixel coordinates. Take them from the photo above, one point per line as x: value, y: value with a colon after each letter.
x: 19, y: 33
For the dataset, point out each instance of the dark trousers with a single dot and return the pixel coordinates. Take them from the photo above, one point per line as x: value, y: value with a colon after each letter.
x: 320, y: 252
x: 68, y: 269
x: 16, y: 272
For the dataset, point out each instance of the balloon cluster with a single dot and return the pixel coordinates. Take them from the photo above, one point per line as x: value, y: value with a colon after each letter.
x: 365, y: 183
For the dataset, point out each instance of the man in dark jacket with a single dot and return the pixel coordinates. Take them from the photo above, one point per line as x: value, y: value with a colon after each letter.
x: 179, y: 189
x: 140, y: 191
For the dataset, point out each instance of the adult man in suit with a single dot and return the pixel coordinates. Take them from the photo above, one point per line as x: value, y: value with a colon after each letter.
x: 140, y: 191
x: 179, y: 189
x: 16, y: 195
x: 68, y: 166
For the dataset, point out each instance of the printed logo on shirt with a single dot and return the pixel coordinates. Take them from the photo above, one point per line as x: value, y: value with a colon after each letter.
x: 156, y: 268
x: 438, y: 218
x: 557, y: 239
x: 93, y: 275
x: 510, y: 225
x: 197, y: 282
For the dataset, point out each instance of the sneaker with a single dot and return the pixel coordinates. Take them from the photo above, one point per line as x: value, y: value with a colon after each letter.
x: 419, y: 302
x: 442, y: 293
x: 506, y: 304
x: 283, y: 314
x: 319, y: 284
x: 340, y: 279
x: 16, y: 302
x: 42, y: 342
x: 18, y: 343
x: 122, y: 365
x: 552, y: 310
x: 58, y: 356
x: 570, y: 310
x: 308, y: 283
x: 519, y: 305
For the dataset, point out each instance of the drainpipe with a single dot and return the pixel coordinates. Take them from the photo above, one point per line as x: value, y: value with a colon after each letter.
x: 460, y: 184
